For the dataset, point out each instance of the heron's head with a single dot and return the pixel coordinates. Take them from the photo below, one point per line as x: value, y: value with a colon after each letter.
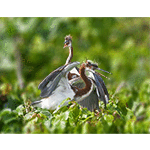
x: 91, y: 65
x: 94, y: 66
x: 68, y: 41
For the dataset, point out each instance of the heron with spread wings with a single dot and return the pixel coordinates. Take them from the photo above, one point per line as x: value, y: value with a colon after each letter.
x: 64, y: 82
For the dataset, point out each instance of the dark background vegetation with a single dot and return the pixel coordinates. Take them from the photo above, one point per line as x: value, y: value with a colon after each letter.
x: 30, y: 48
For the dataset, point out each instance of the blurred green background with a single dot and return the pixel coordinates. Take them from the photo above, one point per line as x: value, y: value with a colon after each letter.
x: 119, y: 45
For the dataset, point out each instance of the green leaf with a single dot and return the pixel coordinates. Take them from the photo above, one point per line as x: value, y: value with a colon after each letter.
x: 7, y: 116
x: 109, y: 119
x: 29, y: 116
x: 85, y: 128
x: 46, y: 113
x: 20, y: 110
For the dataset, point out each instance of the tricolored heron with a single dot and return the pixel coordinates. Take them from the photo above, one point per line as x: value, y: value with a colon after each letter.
x: 57, y: 79
x: 75, y: 71
x: 100, y: 90
x: 65, y: 90
x: 47, y: 86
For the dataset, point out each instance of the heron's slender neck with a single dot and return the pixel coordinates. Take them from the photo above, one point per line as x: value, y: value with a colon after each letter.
x: 70, y: 55
x: 88, y: 83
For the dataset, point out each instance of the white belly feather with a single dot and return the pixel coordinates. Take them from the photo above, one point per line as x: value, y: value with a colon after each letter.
x: 62, y: 92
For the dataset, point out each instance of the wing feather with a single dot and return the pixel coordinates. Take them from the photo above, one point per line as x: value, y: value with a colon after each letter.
x: 50, y: 78
x: 103, y: 85
x: 90, y: 102
x: 100, y: 89
x: 50, y: 83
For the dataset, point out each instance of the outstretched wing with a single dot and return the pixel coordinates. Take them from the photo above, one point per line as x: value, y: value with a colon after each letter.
x: 50, y: 78
x: 90, y: 102
x: 103, y: 84
x: 51, y: 86
x: 50, y: 83
x: 100, y: 89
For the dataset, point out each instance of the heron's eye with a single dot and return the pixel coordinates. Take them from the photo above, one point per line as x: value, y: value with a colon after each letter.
x: 66, y: 38
x: 89, y: 63
x: 66, y: 42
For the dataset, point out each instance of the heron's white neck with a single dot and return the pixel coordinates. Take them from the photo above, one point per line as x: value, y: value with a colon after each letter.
x: 70, y: 55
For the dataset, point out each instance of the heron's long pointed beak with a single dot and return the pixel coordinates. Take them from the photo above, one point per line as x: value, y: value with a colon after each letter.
x: 103, y: 70
x: 65, y: 43
x: 65, y: 46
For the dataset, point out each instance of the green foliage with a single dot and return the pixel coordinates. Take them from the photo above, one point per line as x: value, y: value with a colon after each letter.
x: 122, y: 115
x: 119, y: 45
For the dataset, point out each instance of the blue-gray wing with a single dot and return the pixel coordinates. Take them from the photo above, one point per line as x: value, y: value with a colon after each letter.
x: 50, y: 83
x: 50, y: 78
x: 100, y: 88
x: 51, y: 86
x: 90, y: 102
x: 103, y: 85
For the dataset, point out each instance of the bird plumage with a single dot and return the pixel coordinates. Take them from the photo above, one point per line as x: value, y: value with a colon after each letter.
x: 69, y: 81
x: 99, y: 92
x: 55, y: 88
x: 64, y: 90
